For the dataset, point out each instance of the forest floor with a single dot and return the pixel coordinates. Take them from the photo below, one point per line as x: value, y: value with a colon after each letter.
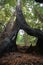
x: 21, y: 58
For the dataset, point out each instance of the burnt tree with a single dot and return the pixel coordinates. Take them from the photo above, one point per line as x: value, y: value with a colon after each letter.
x: 30, y: 31
x: 10, y: 42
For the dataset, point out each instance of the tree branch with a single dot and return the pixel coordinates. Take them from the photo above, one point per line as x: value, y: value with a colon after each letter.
x: 23, y: 25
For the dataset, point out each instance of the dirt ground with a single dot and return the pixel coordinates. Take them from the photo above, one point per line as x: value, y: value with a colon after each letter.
x: 22, y: 58
x: 19, y: 58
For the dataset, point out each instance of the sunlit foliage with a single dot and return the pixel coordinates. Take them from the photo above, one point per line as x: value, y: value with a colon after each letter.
x: 32, y: 11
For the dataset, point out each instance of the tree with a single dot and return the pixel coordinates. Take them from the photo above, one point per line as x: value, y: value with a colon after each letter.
x: 21, y: 24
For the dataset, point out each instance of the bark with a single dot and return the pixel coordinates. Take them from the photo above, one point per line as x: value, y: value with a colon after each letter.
x: 23, y: 25
x: 20, y: 24
x: 10, y: 24
x: 9, y: 43
x: 30, y: 31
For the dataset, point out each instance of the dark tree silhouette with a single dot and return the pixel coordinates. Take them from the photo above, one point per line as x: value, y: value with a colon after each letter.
x: 40, y: 1
x: 30, y: 31
x: 10, y: 42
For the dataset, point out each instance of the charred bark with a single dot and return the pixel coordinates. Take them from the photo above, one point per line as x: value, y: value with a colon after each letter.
x: 30, y: 31
x: 9, y: 43
x: 21, y: 24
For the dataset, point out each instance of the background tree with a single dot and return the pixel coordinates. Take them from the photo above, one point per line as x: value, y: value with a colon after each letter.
x: 33, y: 13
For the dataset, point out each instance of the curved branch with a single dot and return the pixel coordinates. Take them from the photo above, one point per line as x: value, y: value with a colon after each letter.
x: 22, y: 23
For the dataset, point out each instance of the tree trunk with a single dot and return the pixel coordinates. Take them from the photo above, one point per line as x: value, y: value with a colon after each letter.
x: 21, y: 24
x: 30, y: 31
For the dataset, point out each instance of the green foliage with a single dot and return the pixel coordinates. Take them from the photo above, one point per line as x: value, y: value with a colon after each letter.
x: 20, y: 40
x: 7, y: 8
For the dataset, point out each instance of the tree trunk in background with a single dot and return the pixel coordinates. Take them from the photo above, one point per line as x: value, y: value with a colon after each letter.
x: 10, y: 24
x: 20, y: 23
